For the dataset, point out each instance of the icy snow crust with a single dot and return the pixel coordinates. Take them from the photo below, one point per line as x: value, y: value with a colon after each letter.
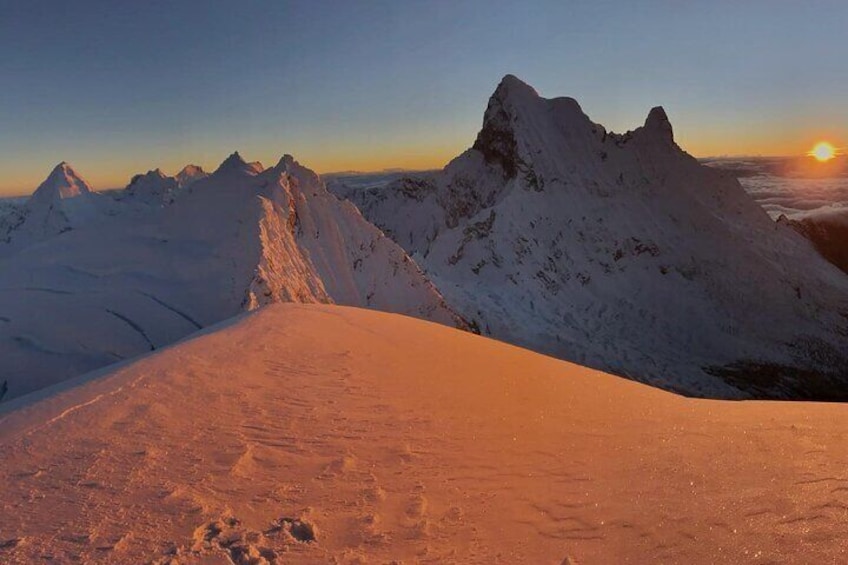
x: 87, y: 280
x: 623, y: 253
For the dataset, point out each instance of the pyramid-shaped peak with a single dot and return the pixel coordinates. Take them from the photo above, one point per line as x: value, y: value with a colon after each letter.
x: 657, y: 121
x: 235, y: 157
x: 63, y: 182
x: 234, y: 161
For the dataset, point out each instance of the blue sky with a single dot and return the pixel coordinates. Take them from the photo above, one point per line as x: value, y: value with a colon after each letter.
x: 120, y: 87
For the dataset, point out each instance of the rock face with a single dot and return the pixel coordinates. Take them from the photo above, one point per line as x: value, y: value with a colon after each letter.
x: 136, y: 277
x: 622, y: 252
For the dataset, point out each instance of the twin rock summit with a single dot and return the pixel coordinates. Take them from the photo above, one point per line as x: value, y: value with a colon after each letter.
x: 617, y: 251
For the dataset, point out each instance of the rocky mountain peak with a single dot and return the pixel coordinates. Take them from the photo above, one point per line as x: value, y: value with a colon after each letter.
x: 234, y: 162
x: 657, y: 121
x: 496, y: 139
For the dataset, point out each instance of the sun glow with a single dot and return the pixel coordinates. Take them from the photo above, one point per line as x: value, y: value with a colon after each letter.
x: 823, y: 151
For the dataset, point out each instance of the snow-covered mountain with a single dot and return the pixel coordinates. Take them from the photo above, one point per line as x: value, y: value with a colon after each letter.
x: 138, y: 277
x: 190, y: 174
x: 157, y: 188
x: 622, y: 252
x: 153, y: 187
x: 61, y: 203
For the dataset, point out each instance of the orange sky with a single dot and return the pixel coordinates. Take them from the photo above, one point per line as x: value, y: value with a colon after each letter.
x: 423, y: 152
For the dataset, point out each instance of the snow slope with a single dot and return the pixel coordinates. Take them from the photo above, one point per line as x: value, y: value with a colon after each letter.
x: 622, y: 252
x: 380, y: 438
x: 140, y: 277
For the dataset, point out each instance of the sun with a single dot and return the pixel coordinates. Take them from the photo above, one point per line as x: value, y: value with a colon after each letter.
x: 823, y: 151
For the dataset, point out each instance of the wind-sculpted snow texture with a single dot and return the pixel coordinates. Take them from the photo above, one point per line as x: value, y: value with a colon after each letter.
x: 87, y: 280
x: 314, y: 434
x: 622, y: 252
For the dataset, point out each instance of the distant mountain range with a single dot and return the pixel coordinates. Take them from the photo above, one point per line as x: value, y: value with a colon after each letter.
x: 616, y: 251
x: 88, y: 279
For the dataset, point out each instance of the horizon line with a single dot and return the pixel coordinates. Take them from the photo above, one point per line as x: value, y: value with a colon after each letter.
x: 386, y: 170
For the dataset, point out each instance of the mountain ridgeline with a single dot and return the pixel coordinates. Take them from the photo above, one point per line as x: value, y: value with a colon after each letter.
x: 621, y: 252
x: 88, y: 280
x: 616, y: 251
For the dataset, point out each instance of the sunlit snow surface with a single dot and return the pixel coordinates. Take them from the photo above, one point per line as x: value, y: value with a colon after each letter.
x: 398, y: 440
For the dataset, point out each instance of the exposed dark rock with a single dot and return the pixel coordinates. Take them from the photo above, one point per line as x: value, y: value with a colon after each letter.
x: 828, y: 235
